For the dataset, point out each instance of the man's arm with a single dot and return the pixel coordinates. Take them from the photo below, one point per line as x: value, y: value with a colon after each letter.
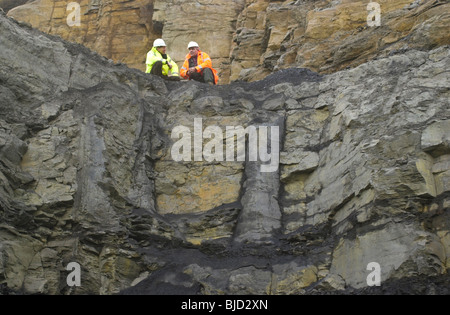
x: 166, y: 60
x: 184, y: 69
x: 207, y: 63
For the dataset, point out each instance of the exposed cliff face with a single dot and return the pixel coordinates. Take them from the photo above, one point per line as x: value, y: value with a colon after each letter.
x: 249, y: 39
x: 125, y: 30
x: 326, y: 36
x: 87, y: 175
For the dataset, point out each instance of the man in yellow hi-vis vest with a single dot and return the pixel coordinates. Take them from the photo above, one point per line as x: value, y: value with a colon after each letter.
x: 159, y: 62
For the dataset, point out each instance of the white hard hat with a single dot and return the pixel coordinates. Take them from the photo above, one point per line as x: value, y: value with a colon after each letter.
x: 159, y: 43
x: 192, y: 44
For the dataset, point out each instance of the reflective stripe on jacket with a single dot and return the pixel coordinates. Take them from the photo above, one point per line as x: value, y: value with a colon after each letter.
x: 153, y: 56
x: 203, y: 61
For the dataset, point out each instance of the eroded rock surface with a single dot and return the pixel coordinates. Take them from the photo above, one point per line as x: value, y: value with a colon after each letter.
x: 248, y: 39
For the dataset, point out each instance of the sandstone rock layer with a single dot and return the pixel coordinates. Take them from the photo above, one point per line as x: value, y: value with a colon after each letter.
x: 249, y: 39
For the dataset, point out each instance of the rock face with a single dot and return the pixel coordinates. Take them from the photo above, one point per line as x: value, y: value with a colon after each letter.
x: 88, y: 175
x: 326, y: 36
x: 248, y: 39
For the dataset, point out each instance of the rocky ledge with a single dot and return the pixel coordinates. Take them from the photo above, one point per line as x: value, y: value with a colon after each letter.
x: 246, y: 39
x: 88, y: 175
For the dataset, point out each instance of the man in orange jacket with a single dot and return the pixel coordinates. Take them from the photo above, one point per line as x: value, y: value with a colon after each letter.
x: 198, y: 66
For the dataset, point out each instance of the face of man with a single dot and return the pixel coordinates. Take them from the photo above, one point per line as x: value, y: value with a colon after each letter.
x: 162, y: 49
x: 193, y: 51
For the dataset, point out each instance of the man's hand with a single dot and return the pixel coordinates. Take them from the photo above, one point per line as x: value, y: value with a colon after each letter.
x: 192, y: 70
x: 165, y: 61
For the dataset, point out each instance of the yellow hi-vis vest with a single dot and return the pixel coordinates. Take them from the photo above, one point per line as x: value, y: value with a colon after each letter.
x: 153, y: 56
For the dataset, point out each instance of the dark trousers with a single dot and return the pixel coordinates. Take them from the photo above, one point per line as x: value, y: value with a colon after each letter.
x: 157, y: 68
x: 206, y: 76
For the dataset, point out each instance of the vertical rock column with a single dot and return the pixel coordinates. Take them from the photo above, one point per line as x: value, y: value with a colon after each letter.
x: 261, y: 215
x: 93, y: 200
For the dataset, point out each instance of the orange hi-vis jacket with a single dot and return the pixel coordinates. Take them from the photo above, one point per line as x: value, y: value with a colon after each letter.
x: 203, y: 61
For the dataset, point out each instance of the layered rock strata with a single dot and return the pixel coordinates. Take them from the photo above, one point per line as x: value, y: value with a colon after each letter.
x: 88, y: 175
x: 250, y: 39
